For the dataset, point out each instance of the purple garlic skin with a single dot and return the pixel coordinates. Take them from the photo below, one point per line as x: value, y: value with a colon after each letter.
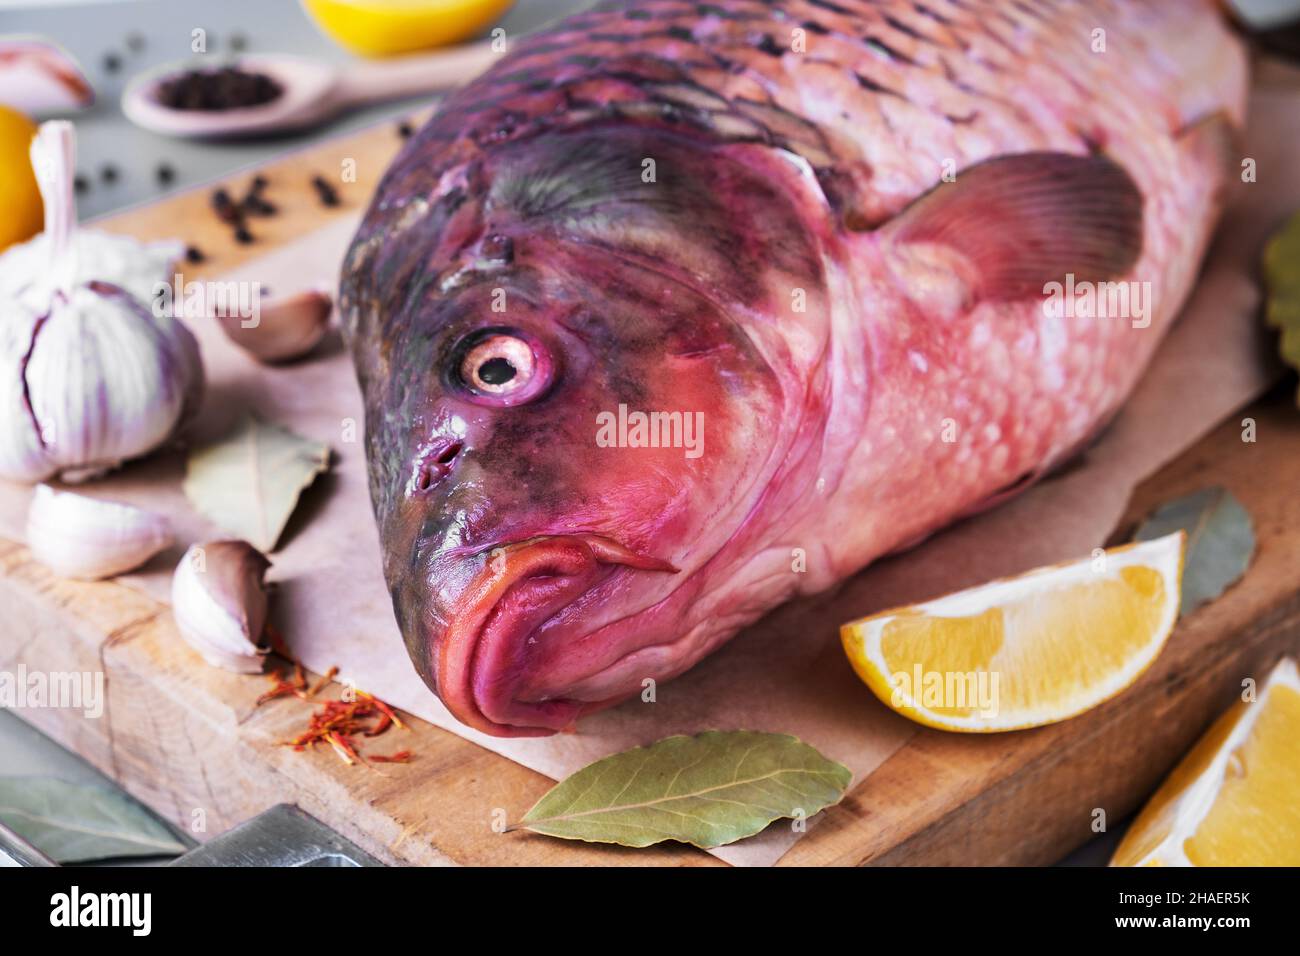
x: 89, y: 376
x: 220, y: 604
x: 92, y: 382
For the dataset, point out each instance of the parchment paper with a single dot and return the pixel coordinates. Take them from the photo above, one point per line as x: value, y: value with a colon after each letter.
x: 787, y: 673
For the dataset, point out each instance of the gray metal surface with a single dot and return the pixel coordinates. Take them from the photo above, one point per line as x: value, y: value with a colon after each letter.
x: 15, y: 851
x: 281, y: 836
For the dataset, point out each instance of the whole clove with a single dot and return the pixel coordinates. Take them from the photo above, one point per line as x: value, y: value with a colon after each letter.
x: 234, y: 213
x: 328, y: 194
x: 253, y: 203
x: 226, y: 208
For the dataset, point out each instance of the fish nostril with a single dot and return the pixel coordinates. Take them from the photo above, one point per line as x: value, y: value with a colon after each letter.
x: 449, y: 453
x: 437, y: 464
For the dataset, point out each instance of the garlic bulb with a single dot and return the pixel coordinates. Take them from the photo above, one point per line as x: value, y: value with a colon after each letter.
x: 220, y: 604
x: 89, y: 377
x: 80, y: 537
x: 122, y: 261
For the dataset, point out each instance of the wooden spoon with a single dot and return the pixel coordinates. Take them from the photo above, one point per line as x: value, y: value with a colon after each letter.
x: 311, y: 91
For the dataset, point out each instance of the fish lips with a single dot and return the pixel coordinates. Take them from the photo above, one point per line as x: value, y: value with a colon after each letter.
x: 480, y: 659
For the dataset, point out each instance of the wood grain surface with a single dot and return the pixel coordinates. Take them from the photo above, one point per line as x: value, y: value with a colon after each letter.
x: 189, y: 741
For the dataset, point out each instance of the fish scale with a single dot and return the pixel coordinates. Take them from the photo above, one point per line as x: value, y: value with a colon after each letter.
x: 932, y: 73
x: 825, y: 226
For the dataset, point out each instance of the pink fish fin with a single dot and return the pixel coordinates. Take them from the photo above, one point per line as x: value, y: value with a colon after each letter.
x: 1214, y: 139
x: 1026, y: 220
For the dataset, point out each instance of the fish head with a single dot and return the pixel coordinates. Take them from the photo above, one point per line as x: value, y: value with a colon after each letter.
x: 570, y: 426
x: 568, y: 456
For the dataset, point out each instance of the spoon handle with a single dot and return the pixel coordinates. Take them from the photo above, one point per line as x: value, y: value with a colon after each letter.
x: 411, y: 75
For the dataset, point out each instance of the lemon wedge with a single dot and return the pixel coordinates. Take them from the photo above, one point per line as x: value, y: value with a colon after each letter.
x: 20, y: 199
x: 1233, y: 799
x: 392, y: 27
x: 1028, y: 650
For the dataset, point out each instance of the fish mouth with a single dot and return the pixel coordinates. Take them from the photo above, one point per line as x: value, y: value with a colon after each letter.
x: 482, y: 657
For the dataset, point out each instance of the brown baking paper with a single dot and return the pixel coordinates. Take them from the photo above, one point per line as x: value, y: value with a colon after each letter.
x: 788, y: 673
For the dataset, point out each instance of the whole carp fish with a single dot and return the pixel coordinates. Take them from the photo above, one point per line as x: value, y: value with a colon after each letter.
x: 677, y: 290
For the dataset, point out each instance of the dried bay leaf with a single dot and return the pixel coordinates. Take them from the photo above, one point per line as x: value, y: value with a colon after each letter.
x: 249, y: 482
x: 75, y: 823
x: 1220, y: 541
x: 1282, y: 280
x: 708, y: 790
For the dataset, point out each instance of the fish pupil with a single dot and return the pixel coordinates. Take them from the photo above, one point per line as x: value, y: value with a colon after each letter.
x: 496, y: 371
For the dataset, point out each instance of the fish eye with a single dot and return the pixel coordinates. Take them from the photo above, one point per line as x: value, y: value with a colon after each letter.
x: 503, y: 367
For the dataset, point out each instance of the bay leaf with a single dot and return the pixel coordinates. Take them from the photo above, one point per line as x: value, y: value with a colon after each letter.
x: 76, y: 823
x: 249, y: 482
x: 1282, y: 284
x: 708, y: 790
x: 1220, y: 541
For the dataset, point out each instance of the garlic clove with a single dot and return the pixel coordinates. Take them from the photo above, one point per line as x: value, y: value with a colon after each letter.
x: 37, y: 77
x: 285, y: 329
x: 220, y: 604
x: 88, y: 539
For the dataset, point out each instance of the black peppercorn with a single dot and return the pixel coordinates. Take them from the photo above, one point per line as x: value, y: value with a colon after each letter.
x: 220, y: 89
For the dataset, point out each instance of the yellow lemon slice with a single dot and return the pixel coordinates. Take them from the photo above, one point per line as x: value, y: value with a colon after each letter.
x: 1235, y: 798
x: 391, y: 27
x: 21, y: 211
x: 1027, y: 650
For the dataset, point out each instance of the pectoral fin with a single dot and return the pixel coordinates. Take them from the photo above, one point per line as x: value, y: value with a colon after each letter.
x: 1026, y: 220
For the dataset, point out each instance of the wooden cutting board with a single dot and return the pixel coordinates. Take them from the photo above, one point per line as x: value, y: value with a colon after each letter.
x: 189, y: 742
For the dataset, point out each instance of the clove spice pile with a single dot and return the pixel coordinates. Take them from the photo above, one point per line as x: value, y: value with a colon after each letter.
x: 234, y: 213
